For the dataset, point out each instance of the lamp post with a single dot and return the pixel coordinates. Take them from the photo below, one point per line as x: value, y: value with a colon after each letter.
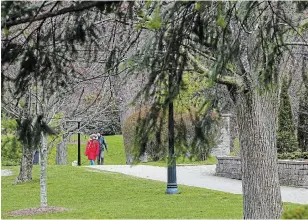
x: 172, y: 187
x: 78, y: 126
x: 79, y: 155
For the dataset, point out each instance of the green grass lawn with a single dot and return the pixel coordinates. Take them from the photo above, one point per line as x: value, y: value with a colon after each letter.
x: 116, y: 154
x: 97, y: 195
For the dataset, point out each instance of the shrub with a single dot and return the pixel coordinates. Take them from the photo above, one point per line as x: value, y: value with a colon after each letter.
x: 293, y: 155
x: 158, y: 151
x: 303, y: 119
x: 286, y: 139
x: 153, y: 149
x: 10, y: 151
x: 297, y: 213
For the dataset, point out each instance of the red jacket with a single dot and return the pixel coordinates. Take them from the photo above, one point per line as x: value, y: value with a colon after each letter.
x: 92, y: 149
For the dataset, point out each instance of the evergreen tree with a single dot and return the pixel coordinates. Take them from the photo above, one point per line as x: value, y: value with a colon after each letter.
x: 286, y: 139
x: 303, y: 118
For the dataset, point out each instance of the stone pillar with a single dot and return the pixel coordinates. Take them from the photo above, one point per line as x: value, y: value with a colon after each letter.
x: 224, y: 142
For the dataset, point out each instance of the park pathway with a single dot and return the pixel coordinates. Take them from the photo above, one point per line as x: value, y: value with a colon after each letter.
x: 200, y: 176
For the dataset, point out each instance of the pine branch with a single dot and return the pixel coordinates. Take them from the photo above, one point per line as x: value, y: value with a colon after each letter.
x: 82, y: 6
x: 225, y: 80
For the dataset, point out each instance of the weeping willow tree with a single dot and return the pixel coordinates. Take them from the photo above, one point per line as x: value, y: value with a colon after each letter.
x: 236, y: 44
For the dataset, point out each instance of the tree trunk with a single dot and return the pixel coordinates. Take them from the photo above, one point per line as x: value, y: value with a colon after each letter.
x: 43, y: 177
x: 26, y: 164
x: 61, y: 157
x: 129, y: 158
x: 257, y: 120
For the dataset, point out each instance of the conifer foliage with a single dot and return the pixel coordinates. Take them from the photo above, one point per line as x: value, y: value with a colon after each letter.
x: 286, y: 139
x: 303, y: 117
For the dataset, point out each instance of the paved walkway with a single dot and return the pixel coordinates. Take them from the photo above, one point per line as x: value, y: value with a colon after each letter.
x: 6, y: 173
x: 200, y: 176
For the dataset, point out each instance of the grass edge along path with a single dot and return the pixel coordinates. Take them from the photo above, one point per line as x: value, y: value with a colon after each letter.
x: 102, y: 194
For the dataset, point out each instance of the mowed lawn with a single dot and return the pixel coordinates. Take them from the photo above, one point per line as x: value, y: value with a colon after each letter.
x: 96, y: 195
x: 115, y: 155
x: 92, y: 194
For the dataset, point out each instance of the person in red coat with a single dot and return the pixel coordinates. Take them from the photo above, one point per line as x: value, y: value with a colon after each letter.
x: 92, y: 149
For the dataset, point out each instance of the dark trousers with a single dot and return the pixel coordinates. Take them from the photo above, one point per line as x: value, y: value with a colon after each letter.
x: 100, y: 157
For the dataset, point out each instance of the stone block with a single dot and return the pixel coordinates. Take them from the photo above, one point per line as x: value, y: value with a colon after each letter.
x: 295, y: 172
x: 302, y: 172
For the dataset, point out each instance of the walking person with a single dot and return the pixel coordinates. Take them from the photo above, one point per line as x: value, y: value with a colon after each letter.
x: 102, y: 146
x: 92, y: 149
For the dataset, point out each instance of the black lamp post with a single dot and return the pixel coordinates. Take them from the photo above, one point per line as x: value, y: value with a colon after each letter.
x: 172, y: 187
x: 79, y: 155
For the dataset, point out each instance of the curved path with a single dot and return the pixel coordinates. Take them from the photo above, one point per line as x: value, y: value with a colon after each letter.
x: 200, y: 176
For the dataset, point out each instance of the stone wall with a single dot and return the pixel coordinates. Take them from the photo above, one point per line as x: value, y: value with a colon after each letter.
x: 291, y: 173
x: 229, y: 167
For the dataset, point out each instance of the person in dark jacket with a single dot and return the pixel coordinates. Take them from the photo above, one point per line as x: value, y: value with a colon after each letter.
x: 102, y: 146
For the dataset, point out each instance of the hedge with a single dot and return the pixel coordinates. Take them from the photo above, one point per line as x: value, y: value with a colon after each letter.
x: 158, y: 152
x: 293, y: 155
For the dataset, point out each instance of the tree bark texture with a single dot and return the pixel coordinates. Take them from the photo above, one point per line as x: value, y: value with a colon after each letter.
x: 26, y: 164
x: 61, y: 156
x: 257, y: 121
x: 43, y: 176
